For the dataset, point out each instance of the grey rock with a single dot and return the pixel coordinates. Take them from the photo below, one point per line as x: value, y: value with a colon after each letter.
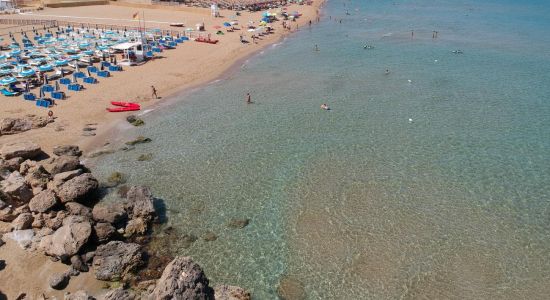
x: 139, y: 203
x: 138, y: 140
x: 78, y: 295
x: 15, y: 189
x: 182, y: 279
x: 109, y: 212
x: 22, y: 222
x: 11, y: 164
x: 88, y: 257
x: 104, y: 232
x: 78, y: 264
x: 14, y: 125
x: 77, y: 209
x: 99, y: 153
x: 145, y: 157
x: 115, y: 259
x: 229, y: 292
x: 68, y: 239
x: 55, y: 219
x: 210, y: 236
x: 136, y: 226
x: 7, y: 214
x: 38, y: 221
x: 70, y: 150
x: 21, y: 149
x: 26, y: 166
x: 78, y: 189
x: 37, y: 177
x: 62, y: 164
x: 43, y: 202
x: 58, y: 281
x: 119, y: 294
x: 60, y: 178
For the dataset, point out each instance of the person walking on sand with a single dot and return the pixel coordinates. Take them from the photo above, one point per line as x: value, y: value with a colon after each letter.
x: 154, y: 92
x: 248, y: 98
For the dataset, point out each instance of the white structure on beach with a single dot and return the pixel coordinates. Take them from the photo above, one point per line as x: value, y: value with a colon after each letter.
x: 215, y: 10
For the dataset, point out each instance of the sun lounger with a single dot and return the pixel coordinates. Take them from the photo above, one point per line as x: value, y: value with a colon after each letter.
x: 47, y: 88
x: 105, y: 64
x: 5, y: 92
x: 44, y: 103
x: 79, y: 75
x: 90, y: 80
x: 74, y: 87
x: 92, y: 69
x: 103, y: 74
x: 58, y: 95
x: 113, y: 68
x: 29, y: 96
x: 64, y: 81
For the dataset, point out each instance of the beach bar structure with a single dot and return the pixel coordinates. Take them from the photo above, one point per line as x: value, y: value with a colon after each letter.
x: 133, y: 53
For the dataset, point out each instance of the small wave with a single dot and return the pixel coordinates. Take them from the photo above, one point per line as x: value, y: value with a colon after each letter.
x: 146, y: 112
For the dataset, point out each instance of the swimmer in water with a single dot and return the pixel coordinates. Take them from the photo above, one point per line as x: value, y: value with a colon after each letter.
x: 387, y: 72
x: 325, y: 106
x: 316, y: 48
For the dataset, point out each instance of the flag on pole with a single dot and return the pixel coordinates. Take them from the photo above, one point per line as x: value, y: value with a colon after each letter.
x: 136, y: 15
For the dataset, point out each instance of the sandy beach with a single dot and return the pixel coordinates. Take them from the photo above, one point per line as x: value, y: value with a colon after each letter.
x: 190, y: 65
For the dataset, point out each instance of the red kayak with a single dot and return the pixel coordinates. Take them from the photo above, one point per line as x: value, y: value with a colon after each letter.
x: 125, y: 104
x: 123, y: 109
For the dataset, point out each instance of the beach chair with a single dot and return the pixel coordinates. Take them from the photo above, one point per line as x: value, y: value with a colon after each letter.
x: 157, y: 49
x: 149, y: 54
x: 29, y: 96
x: 103, y: 74
x: 105, y: 64
x: 44, y: 103
x: 74, y: 87
x: 7, y: 93
x: 79, y: 75
x: 113, y: 68
x: 92, y: 69
x: 90, y: 80
x: 65, y: 81
x: 58, y: 95
x: 47, y: 88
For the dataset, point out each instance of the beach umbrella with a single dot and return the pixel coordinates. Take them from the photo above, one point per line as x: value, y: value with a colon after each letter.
x: 8, y: 80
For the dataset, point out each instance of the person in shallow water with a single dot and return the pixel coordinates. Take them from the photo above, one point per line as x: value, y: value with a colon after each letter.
x: 248, y: 99
x: 387, y: 72
x: 325, y: 106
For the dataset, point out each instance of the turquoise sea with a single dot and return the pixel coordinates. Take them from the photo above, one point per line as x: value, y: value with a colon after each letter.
x: 432, y: 181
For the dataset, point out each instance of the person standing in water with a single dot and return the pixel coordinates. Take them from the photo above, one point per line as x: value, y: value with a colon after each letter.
x: 248, y: 98
x: 316, y: 48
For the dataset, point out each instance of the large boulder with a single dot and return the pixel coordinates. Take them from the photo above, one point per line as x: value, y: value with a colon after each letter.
x: 182, y: 279
x: 115, y: 259
x: 11, y: 164
x: 229, y: 292
x: 14, y: 125
x: 109, y: 212
x: 119, y: 294
x: 22, y: 222
x: 77, y: 209
x: 7, y: 214
x: 60, y: 178
x: 15, y: 189
x: 68, y: 239
x: 37, y: 177
x: 20, y: 149
x: 43, y: 202
x: 62, y: 164
x: 104, y: 232
x: 139, y: 203
x: 78, y: 189
x: 136, y: 226
x: 54, y: 220
x: 70, y: 150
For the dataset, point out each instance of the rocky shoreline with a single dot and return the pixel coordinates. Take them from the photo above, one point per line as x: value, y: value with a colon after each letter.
x: 52, y: 205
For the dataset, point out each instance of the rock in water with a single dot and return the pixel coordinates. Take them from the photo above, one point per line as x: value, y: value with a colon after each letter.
x: 145, y: 157
x: 78, y: 209
x: 70, y: 150
x: 63, y: 164
x: 115, y: 259
x: 23, y: 149
x: 43, y: 202
x: 120, y: 294
x: 183, y: 279
x: 291, y: 289
x: 104, y: 232
x: 238, y: 223
x: 78, y: 189
x: 68, y: 239
x: 115, y: 179
x: 109, y: 212
x: 139, y: 203
x: 58, y: 281
x: 139, y: 140
x: 228, y: 292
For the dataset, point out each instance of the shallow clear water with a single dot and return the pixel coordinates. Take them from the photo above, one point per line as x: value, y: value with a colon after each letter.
x: 433, y: 188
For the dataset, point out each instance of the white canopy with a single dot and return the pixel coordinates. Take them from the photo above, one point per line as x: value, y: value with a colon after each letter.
x: 125, y: 46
